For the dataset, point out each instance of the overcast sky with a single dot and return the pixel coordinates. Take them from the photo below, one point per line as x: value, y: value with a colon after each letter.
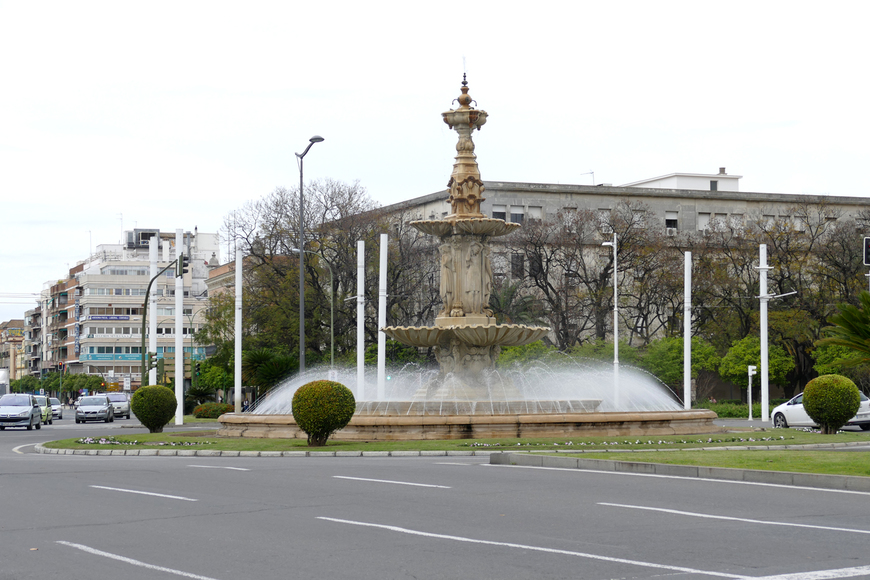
x: 123, y: 114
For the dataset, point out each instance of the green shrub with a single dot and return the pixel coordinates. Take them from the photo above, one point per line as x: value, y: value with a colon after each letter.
x: 212, y: 410
x: 830, y: 401
x: 321, y: 408
x: 154, y: 406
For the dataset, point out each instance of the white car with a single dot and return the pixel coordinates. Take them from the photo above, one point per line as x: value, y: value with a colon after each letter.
x: 792, y: 414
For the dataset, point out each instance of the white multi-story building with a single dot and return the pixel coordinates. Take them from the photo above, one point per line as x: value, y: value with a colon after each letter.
x: 93, y: 320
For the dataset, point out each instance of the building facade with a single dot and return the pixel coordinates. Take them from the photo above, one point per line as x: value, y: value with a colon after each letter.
x: 91, y: 321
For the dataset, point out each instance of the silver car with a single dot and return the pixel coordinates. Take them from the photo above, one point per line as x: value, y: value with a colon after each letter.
x: 20, y: 411
x: 121, y: 403
x: 56, y: 408
x: 95, y: 408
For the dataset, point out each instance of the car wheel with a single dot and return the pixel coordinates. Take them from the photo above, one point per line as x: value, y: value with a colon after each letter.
x: 39, y: 425
x: 2, y: 428
x: 779, y: 421
x: 865, y: 426
x: 30, y: 425
x: 106, y: 420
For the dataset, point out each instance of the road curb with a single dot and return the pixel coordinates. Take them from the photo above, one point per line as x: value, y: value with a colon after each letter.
x: 187, y: 452
x: 841, y: 482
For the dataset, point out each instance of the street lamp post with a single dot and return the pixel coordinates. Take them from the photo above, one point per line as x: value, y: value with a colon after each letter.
x: 331, y: 304
x: 300, y: 156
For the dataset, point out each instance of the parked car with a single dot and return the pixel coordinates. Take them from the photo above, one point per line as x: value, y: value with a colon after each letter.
x: 121, y: 403
x: 18, y: 410
x: 45, y: 408
x: 95, y: 408
x: 792, y: 414
x: 56, y: 408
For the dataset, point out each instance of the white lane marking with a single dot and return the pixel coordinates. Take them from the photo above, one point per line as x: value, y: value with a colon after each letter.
x: 684, y: 478
x: 389, y: 481
x: 143, y: 492
x: 733, y: 519
x: 16, y: 449
x: 220, y: 467
x: 453, y: 463
x: 539, y: 549
x: 126, y: 560
x: 821, y: 574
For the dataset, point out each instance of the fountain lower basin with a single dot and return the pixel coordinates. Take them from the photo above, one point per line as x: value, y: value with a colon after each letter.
x: 451, y: 427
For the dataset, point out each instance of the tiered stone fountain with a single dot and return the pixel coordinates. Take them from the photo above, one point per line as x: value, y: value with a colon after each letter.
x: 466, y: 338
x: 468, y: 398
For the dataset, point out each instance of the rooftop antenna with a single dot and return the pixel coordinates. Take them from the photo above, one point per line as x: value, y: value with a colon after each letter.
x: 121, y: 216
x: 592, y: 173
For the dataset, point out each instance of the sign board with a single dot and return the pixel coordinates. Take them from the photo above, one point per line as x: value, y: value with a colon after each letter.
x: 113, y: 387
x: 126, y: 383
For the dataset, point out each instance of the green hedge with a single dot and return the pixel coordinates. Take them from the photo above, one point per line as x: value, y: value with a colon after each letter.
x: 154, y: 406
x: 212, y: 410
x: 321, y: 408
x: 830, y: 401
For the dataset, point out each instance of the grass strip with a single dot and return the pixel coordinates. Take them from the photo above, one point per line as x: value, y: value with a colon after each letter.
x: 209, y: 440
x: 794, y: 461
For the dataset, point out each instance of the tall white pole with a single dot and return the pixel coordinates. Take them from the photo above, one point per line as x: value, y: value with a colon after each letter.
x: 237, y: 372
x: 615, y: 328
x: 382, y: 318
x: 360, y: 320
x: 152, y: 308
x: 687, y: 332
x: 615, y: 308
x: 762, y: 286
x: 179, y: 333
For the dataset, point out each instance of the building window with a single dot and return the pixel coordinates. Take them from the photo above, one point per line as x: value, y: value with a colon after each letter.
x: 499, y: 212
x: 703, y: 221
x: 536, y: 213
x: 671, y: 221
x: 517, y: 214
x: 518, y: 269
x: 714, y: 185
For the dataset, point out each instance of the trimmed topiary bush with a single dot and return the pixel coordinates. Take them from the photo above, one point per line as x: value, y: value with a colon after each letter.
x: 154, y: 406
x: 212, y: 410
x: 830, y: 401
x: 321, y: 408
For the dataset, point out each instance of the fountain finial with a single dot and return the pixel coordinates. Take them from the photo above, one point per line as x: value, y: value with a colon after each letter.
x: 466, y: 187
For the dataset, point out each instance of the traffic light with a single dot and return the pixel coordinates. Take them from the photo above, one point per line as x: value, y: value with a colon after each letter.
x: 867, y: 251
x: 160, y: 370
x: 182, y: 265
x: 151, y: 361
x: 197, y: 368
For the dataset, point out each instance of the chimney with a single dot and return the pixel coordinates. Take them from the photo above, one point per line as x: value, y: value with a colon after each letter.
x: 721, y: 171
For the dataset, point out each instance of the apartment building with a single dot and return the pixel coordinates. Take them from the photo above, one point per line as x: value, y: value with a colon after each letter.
x: 91, y: 321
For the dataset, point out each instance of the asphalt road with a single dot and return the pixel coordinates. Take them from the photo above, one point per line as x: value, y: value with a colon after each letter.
x: 100, y: 518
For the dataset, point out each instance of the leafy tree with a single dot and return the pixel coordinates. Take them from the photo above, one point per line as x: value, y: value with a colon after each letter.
x: 829, y: 361
x: 525, y: 355
x: 747, y: 351
x: 395, y: 353
x: 600, y: 349
x: 26, y: 384
x: 664, y: 359
x: 264, y: 368
x: 850, y: 328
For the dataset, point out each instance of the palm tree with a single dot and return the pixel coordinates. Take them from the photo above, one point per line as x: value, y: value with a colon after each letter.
x: 851, y: 328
